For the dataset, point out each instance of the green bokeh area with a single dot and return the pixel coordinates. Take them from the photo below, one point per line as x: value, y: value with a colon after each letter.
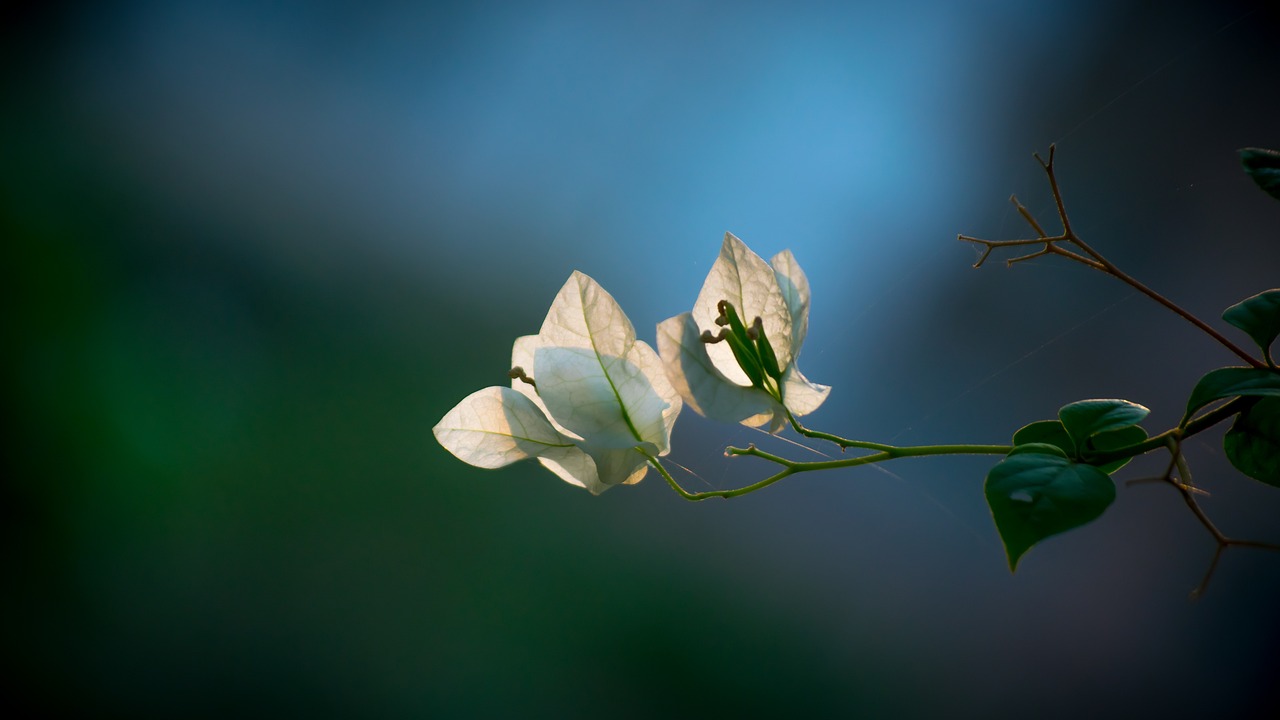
x: 228, y: 498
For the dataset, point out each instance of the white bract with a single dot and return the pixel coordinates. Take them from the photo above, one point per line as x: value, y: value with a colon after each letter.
x: 708, y: 375
x: 598, y: 405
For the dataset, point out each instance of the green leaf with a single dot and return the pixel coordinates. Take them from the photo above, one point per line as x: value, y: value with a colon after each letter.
x: 1033, y: 496
x: 1264, y: 167
x: 1038, y: 447
x: 1046, y: 431
x: 1086, y: 418
x: 1115, y: 440
x: 1231, y: 382
x: 1259, y: 316
x: 1253, y: 442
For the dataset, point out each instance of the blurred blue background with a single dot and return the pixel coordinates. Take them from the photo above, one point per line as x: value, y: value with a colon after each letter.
x: 256, y: 250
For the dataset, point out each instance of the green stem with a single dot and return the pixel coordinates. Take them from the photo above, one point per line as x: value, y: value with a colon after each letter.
x: 792, y: 467
x: 844, y: 443
x: 892, y: 452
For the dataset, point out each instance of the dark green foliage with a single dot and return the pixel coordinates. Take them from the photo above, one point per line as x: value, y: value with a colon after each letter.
x: 1035, y: 495
x: 1038, y: 447
x: 1264, y: 167
x: 1053, y: 433
x: 1253, y: 442
x: 1115, y: 440
x: 1046, y: 431
x: 1231, y: 382
x: 1259, y: 316
x: 1087, y: 418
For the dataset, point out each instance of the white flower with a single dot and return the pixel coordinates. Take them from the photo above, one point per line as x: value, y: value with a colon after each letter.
x: 770, y: 301
x: 588, y: 399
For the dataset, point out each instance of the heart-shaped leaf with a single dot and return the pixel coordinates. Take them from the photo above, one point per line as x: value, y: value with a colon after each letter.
x: 1087, y: 418
x: 1231, y: 382
x: 1253, y: 442
x: 1046, y: 431
x: 1034, y: 495
x: 1259, y: 316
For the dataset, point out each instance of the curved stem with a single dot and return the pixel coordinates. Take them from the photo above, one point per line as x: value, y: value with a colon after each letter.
x: 844, y: 443
x: 792, y: 467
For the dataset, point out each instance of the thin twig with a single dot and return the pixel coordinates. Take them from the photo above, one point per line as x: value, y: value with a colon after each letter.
x: 1188, y: 492
x: 1091, y: 258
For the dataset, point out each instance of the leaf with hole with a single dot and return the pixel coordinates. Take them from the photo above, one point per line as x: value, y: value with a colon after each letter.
x: 1229, y: 382
x: 1034, y: 496
x: 1264, y: 167
x: 1253, y: 442
x: 1259, y: 317
x: 1087, y: 418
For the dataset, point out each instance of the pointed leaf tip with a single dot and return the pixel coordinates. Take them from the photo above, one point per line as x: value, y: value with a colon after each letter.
x: 1086, y: 418
x: 1258, y: 317
x: 1229, y: 382
x: 1035, y: 495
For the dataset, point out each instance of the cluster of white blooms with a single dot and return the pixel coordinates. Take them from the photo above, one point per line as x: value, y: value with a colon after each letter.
x: 593, y: 404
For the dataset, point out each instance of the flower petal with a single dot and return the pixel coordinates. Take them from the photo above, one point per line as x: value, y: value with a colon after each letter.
x: 745, y: 280
x: 702, y: 386
x: 795, y: 290
x: 597, y: 470
x: 799, y: 394
x: 651, y: 367
x: 496, y: 426
x: 595, y: 378
x: 522, y: 356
